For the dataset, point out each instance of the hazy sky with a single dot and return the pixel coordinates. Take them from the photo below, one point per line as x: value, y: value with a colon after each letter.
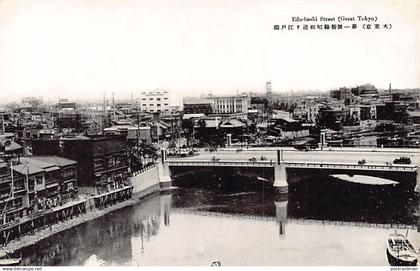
x: 79, y: 49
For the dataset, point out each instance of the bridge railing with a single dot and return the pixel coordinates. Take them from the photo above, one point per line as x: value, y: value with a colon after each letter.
x: 221, y: 163
x: 390, y: 167
x: 296, y: 164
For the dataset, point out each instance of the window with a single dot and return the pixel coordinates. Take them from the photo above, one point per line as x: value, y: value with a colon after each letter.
x: 38, y: 180
x: 158, y: 99
x: 143, y: 99
x: 165, y: 98
x: 143, y: 104
x: 157, y: 104
x: 165, y: 104
x: 151, y: 104
x: 150, y: 99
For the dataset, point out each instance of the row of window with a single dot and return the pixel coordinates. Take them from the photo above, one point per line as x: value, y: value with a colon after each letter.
x: 157, y: 99
x: 156, y: 104
x: 152, y: 110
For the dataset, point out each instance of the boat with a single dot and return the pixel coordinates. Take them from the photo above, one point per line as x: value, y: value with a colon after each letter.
x: 400, y: 251
x: 7, y: 260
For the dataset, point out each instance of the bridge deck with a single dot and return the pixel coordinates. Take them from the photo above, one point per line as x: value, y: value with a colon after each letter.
x: 294, y: 164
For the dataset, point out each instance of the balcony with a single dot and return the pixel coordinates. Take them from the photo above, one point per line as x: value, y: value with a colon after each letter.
x: 13, y: 208
x: 19, y: 190
x: 49, y: 183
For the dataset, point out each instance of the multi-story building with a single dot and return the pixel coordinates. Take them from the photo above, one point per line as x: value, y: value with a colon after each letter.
x: 366, y: 90
x: 332, y: 118
x: 341, y: 93
x: 230, y: 104
x: 198, y: 106
x: 60, y: 176
x: 102, y: 160
x: 154, y: 101
x: 35, y: 184
x: 392, y: 111
x: 11, y: 198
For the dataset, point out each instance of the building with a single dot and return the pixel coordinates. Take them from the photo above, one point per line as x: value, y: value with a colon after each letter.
x: 287, y: 128
x: 102, y: 160
x: 198, y: 106
x: 332, y: 118
x: 33, y: 101
x: 131, y: 133
x: 66, y: 105
x: 237, y: 129
x: 230, y: 104
x: 341, y: 93
x: 392, y: 111
x: 11, y: 200
x: 34, y: 185
x: 60, y: 178
x: 154, y: 101
x: 366, y: 90
x: 71, y: 120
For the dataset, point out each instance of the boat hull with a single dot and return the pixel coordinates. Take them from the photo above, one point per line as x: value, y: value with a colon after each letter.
x: 395, y: 261
x: 10, y: 262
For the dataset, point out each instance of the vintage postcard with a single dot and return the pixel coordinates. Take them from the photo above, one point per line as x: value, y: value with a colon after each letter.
x: 209, y: 133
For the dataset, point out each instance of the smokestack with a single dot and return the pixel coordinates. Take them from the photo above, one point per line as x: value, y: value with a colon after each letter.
x: 390, y: 89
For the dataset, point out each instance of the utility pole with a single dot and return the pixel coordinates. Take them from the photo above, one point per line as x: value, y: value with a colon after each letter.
x: 138, y: 132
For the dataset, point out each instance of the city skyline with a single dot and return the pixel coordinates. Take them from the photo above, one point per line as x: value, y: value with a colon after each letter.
x: 79, y: 50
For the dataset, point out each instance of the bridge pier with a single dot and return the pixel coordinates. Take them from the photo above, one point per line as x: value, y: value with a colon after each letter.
x: 165, y: 181
x: 281, y: 216
x: 417, y: 188
x: 165, y: 207
x: 280, y: 179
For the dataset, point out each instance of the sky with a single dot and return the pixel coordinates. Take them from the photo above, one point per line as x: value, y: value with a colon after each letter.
x: 81, y: 49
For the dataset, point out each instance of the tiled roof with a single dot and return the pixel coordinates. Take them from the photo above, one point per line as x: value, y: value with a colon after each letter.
x: 27, y: 169
x: 54, y: 160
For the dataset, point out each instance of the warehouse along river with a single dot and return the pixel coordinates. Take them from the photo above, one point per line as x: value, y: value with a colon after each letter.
x: 322, y: 223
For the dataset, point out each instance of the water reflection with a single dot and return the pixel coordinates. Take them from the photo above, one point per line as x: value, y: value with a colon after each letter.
x: 108, y: 237
x: 281, y: 216
x: 196, y: 226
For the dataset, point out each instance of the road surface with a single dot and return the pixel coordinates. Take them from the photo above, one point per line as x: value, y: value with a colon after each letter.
x: 374, y: 156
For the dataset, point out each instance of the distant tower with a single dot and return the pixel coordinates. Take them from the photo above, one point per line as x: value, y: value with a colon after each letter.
x: 104, y: 113
x: 269, y: 92
x: 390, y: 89
x: 1, y: 125
x: 113, y: 107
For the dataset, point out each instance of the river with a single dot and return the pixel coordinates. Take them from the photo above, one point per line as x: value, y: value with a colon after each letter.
x: 322, y: 223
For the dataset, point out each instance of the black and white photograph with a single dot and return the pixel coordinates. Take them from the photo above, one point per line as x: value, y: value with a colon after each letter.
x: 209, y: 133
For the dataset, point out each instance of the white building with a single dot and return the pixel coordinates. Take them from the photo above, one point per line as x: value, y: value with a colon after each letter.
x: 230, y: 104
x: 154, y: 101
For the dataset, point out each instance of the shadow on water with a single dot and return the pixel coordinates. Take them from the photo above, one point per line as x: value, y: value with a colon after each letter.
x: 107, y: 237
x: 322, y: 198
x: 110, y: 237
x: 333, y: 199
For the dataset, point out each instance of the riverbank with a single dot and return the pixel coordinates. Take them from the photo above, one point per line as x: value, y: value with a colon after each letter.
x: 40, y: 234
